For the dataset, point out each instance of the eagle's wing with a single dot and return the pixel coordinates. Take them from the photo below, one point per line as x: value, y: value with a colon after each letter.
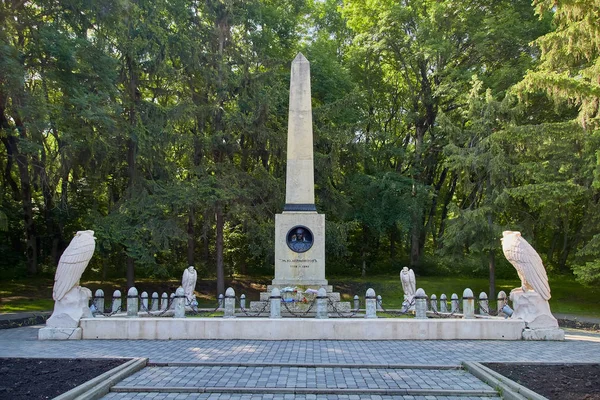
x: 533, y: 269
x: 72, y: 263
x: 528, y: 264
x: 412, y: 280
x: 185, y: 281
x: 404, y: 281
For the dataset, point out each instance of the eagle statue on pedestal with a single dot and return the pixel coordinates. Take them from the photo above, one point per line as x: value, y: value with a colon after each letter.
x: 527, y: 262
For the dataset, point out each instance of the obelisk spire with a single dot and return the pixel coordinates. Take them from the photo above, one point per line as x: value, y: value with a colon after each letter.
x: 300, y: 177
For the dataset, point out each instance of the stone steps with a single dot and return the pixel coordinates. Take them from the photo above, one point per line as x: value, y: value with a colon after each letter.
x: 328, y: 381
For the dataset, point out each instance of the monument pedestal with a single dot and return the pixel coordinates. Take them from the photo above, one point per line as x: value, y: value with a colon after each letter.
x: 535, y: 311
x: 300, y: 258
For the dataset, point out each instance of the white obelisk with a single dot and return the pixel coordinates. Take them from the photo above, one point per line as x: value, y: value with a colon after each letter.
x: 300, y: 176
x: 299, y: 230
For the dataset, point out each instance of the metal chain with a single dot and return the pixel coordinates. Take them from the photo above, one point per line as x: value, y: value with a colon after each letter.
x: 444, y: 315
x: 488, y: 310
x: 157, y: 313
x: 248, y: 314
x: 397, y: 313
x: 101, y: 312
x: 197, y: 312
x: 302, y: 314
x: 341, y: 314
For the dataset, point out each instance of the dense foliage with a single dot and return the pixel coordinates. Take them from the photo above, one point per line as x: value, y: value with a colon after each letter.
x: 161, y: 125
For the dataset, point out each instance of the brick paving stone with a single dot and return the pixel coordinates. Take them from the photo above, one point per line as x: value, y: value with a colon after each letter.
x: 266, y: 377
x: 22, y: 342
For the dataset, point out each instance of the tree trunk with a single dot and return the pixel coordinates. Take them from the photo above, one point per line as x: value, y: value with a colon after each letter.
x: 365, y: 241
x: 492, y: 266
x: 393, y: 239
x: 26, y: 197
x: 219, y: 250
x: 130, y: 272
x: 415, y: 247
x: 191, y: 231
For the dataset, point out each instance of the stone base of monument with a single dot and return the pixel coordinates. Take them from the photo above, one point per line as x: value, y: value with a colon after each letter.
x: 300, y: 303
x: 530, y: 307
x: 60, y: 333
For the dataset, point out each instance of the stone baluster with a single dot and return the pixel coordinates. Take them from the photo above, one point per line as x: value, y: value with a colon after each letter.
x: 144, y: 297
x: 164, y: 301
x: 484, y: 305
x: 229, y: 311
x: 468, y: 304
x: 379, y: 303
x: 116, y: 301
x: 501, y: 302
x: 443, y: 303
x: 321, y: 304
x: 243, y: 301
x: 356, y: 302
x: 221, y: 301
x: 454, y: 304
x: 172, y: 301
x: 433, y: 303
x: 420, y: 304
x: 132, y: 302
x: 179, y: 303
x: 99, y: 300
x: 154, y: 304
x: 370, y: 304
x: 275, y: 300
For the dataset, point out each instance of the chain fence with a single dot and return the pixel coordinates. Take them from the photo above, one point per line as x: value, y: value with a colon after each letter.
x: 352, y: 314
x: 301, y: 314
x: 265, y: 304
x: 405, y: 311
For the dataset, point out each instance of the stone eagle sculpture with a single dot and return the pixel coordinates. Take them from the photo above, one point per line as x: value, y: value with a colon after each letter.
x: 72, y: 263
x: 409, y: 286
x: 188, y: 282
x: 70, y: 299
x: 527, y: 262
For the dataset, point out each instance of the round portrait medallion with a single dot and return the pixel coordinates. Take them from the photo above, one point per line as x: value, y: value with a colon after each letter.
x: 299, y: 239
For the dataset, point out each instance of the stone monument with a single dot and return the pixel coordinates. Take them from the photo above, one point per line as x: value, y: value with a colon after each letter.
x: 530, y: 301
x: 299, y: 229
x: 70, y: 299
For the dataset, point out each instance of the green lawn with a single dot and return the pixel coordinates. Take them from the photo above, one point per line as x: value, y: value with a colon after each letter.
x: 568, y: 296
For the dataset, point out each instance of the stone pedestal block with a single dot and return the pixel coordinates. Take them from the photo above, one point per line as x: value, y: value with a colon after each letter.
x: 531, y: 308
x: 299, y: 268
x: 544, y: 334
x: 535, y: 311
x: 71, y: 308
x: 60, y: 333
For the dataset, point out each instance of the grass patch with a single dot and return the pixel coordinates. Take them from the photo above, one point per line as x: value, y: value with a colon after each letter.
x: 568, y: 296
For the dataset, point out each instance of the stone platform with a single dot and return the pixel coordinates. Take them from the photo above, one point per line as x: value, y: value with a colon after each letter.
x: 301, y: 328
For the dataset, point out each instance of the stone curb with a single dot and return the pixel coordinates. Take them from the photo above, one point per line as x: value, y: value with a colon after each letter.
x: 100, y: 385
x: 33, y: 319
x: 294, y: 390
x: 302, y: 365
x: 509, y: 389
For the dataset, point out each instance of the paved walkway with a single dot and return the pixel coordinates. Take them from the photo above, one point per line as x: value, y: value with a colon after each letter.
x: 315, y: 370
